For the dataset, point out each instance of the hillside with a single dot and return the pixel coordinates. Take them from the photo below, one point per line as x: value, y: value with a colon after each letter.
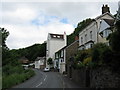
x: 81, y: 25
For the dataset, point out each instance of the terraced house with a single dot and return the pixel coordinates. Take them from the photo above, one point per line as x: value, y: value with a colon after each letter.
x: 98, y: 30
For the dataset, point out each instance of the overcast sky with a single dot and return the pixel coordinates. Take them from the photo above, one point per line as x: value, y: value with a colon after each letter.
x: 30, y: 22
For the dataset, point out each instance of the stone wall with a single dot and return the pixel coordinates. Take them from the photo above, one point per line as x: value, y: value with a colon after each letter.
x: 100, y: 77
x: 71, y: 51
x: 103, y: 77
x: 79, y: 76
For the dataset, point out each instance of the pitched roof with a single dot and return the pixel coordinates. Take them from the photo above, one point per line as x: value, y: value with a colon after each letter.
x: 98, y: 18
x: 104, y: 15
x: 109, y: 21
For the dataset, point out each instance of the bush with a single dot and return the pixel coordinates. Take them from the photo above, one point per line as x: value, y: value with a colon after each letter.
x: 87, y: 60
x: 82, y: 54
x: 97, y: 52
x: 79, y: 65
x: 49, y: 61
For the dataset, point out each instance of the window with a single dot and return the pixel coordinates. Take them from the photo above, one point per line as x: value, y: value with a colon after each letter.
x: 85, y: 37
x: 91, y: 45
x: 90, y: 34
x: 62, y: 53
x: 105, y: 33
x: 81, y: 40
x: 58, y: 36
x: 54, y: 36
x: 56, y: 55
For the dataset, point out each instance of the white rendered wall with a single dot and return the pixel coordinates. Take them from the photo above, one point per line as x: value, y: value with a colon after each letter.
x: 94, y: 27
x: 53, y: 45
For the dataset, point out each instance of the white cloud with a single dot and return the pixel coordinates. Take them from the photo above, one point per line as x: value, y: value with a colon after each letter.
x: 30, y: 23
x: 23, y: 36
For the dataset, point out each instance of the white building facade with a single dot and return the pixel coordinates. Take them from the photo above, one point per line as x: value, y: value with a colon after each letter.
x: 60, y: 60
x: 92, y: 33
x: 40, y: 63
x: 54, y: 43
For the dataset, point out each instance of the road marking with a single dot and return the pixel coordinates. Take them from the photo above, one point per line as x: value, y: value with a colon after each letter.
x: 45, y: 77
x: 39, y: 84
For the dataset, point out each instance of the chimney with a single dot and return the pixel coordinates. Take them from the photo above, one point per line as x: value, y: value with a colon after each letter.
x: 105, y: 9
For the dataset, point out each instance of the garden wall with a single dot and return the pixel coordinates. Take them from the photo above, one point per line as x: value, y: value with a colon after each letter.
x: 100, y: 77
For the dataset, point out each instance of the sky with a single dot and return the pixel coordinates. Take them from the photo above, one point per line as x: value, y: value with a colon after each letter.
x: 30, y: 21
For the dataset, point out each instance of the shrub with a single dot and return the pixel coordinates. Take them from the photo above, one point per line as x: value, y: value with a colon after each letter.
x: 97, y: 52
x: 82, y: 54
x: 49, y: 61
x: 79, y: 65
x: 87, y: 60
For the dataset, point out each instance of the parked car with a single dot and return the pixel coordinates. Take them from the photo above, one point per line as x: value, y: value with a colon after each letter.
x: 46, y: 69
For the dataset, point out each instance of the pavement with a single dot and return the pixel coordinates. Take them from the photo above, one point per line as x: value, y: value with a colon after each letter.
x: 48, y: 80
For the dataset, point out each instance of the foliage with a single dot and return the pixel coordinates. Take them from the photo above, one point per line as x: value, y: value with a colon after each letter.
x: 82, y: 54
x: 81, y: 25
x: 79, y: 65
x: 13, y: 72
x: 4, y: 34
x: 114, y: 39
x: 16, y: 78
x: 115, y: 44
x: 49, y: 61
x: 80, y: 57
x: 87, y: 60
x: 97, y: 52
x: 32, y: 52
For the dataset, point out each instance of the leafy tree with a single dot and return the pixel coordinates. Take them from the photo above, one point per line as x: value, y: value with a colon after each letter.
x: 49, y: 61
x: 4, y: 34
x: 5, y: 51
x: 81, y: 25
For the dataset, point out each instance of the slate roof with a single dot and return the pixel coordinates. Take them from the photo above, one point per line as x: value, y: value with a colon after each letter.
x: 109, y: 21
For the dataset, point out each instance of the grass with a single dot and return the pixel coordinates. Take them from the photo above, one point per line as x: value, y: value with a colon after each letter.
x: 0, y: 78
x: 16, y: 78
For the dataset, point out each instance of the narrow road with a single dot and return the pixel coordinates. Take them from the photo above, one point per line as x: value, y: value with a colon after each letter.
x: 47, y: 80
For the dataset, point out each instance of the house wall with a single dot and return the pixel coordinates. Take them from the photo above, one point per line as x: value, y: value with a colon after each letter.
x: 60, y: 59
x: 62, y: 67
x: 53, y: 45
x: 71, y: 51
x: 37, y: 64
x: 91, y: 28
x: 94, y: 27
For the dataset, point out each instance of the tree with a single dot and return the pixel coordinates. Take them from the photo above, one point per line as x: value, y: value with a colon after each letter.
x: 5, y: 51
x: 81, y: 25
x: 115, y: 36
x: 49, y: 61
x: 4, y: 34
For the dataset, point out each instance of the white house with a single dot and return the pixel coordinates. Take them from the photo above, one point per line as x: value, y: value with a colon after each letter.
x: 60, y: 57
x: 54, y: 43
x: 92, y: 33
x: 40, y: 62
x: 106, y: 26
